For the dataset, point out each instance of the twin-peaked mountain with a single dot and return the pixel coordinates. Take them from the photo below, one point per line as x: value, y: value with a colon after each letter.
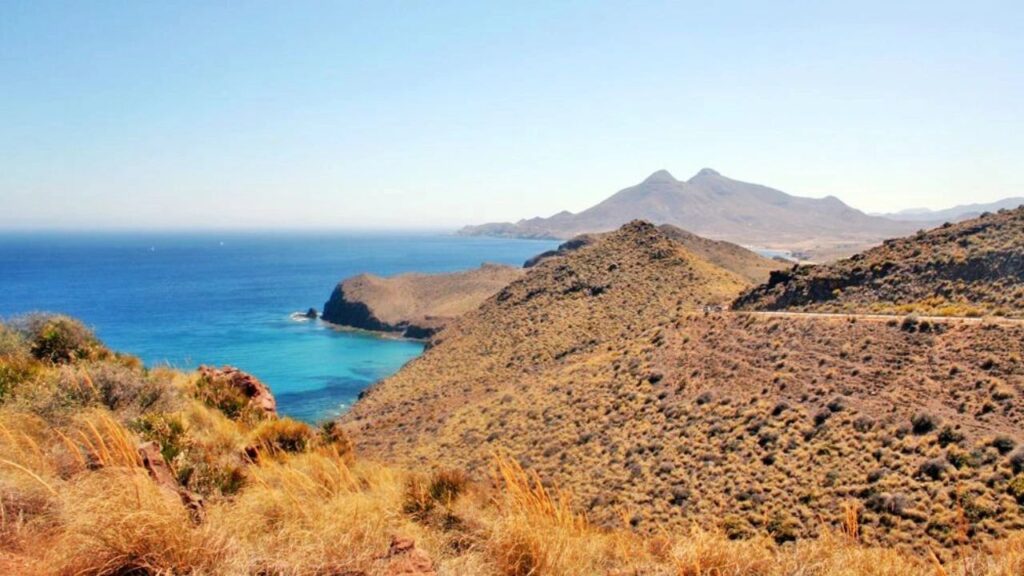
x: 714, y: 206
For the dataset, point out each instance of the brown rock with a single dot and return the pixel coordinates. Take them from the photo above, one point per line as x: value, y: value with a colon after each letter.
x: 405, y: 559
x: 257, y: 392
x: 154, y: 463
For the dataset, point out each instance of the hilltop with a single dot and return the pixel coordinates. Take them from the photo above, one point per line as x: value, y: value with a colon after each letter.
x: 748, y: 264
x: 597, y: 373
x: 717, y: 207
x: 971, y: 268
x: 413, y: 305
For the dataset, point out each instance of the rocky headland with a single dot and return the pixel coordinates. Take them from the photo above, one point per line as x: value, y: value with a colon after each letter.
x: 413, y: 305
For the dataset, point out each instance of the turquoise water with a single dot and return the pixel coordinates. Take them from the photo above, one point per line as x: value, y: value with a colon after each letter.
x: 190, y: 299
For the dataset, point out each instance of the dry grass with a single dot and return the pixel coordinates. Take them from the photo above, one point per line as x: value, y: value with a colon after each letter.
x: 76, y: 500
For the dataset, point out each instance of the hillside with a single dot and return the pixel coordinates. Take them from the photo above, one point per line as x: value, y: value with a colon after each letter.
x: 413, y: 305
x: 595, y: 373
x: 717, y: 207
x: 972, y: 268
x: 107, y: 468
x: 737, y: 259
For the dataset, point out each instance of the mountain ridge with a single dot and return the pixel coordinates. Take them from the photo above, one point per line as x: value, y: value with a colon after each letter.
x: 717, y: 207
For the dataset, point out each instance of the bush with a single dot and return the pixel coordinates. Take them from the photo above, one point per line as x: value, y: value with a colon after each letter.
x: 949, y: 435
x: 120, y: 386
x: 12, y: 343
x: 219, y: 393
x: 59, y: 339
x: 331, y: 434
x: 1003, y: 444
x: 1016, y: 488
x: 1017, y: 461
x: 282, y: 435
x: 167, y: 430
x: 447, y: 485
x: 923, y: 423
x: 935, y: 468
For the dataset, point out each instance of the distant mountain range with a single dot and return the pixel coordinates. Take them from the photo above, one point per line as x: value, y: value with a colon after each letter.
x: 954, y: 214
x: 715, y: 206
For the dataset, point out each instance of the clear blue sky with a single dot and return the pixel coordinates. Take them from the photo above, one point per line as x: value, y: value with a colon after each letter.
x: 435, y: 114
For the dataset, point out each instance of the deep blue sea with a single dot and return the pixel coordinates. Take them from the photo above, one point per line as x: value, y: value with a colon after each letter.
x: 227, y: 298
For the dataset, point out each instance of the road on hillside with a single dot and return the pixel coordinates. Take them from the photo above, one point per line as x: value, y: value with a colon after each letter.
x: 883, y: 317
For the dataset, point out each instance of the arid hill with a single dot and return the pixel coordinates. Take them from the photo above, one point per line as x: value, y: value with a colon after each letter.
x: 595, y: 372
x: 413, y: 305
x: 748, y: 264
x: 720, y: 208
x: 972, y: 268
x: 107, y: 467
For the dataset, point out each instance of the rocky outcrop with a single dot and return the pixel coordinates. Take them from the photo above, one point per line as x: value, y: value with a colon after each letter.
x: 413, y: 305
x: 158, y: 469
x: 258, y: 393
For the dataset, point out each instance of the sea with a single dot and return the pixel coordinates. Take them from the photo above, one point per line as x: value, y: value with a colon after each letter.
x: 230, y: 298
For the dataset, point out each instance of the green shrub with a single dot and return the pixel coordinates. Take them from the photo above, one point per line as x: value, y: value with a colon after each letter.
x: 220, y: 394
x: 59, y: 339
x: 1016, y: 488
x: 923, y: 423
x: 167, y: 430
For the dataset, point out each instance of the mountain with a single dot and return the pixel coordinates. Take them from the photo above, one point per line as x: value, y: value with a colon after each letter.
x: 601, y: 372
x: 413, y: 305
x: 975, y: 267
x: 717, y: 207
x: 956, y: 213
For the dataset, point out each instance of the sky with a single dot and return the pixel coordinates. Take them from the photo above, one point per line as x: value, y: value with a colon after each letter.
x: 167, y: 115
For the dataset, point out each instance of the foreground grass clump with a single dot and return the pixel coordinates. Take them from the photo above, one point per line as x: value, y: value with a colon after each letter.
x: 272, y: 496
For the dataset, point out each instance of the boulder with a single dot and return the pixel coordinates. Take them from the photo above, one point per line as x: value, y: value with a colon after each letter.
x: 257, y: 392
x: 405, y: 559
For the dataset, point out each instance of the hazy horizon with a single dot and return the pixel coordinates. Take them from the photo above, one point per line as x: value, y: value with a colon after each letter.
x: 391, y: 116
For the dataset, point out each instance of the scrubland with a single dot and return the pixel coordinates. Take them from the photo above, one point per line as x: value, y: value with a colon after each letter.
x: 260, y: 494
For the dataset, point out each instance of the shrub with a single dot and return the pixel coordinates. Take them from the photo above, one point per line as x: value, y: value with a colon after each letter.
x: 923, y: 423
x: 220, y: 394
x: 1016, y: 488
x: 934, y: 468
x: 167, y: 430
x: 837, y: 404
x: 1017, y: 461
x: 59, y: 339
x: 822, y: 416
x: 12, y: 343
x: 949, y: 435
x: 863, y: 424
x: 783, y: 527
x: 1003, y: 444
x: 331, y: 434
x: 282, y: 435
x: 447, y: 485
x: 120, y: 386
x: 909, y: 323
x: 886, y: 503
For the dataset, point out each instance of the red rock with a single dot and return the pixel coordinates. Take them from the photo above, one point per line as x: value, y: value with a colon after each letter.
x: 257, y: 392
